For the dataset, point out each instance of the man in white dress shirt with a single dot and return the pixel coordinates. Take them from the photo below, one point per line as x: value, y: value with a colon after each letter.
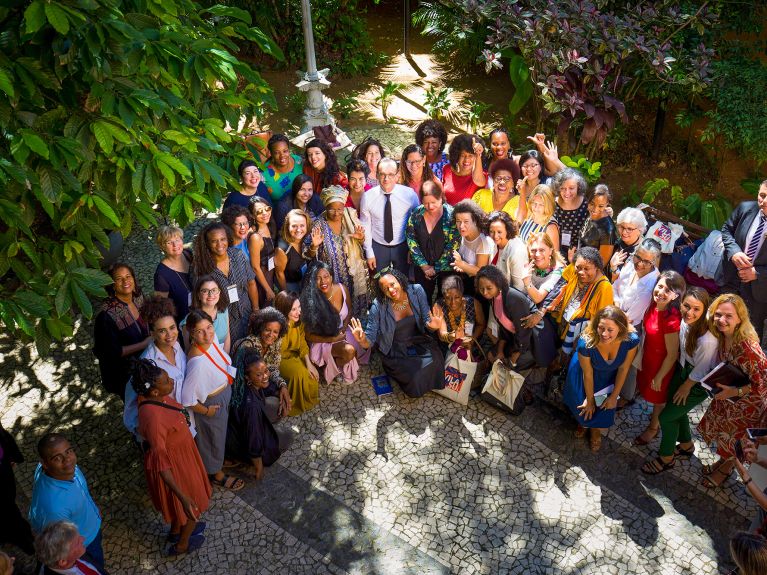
x: 384, y: 211
x: 60, y: 548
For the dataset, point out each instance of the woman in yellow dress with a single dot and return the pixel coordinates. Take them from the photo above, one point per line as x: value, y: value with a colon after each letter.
x: 295, y: 366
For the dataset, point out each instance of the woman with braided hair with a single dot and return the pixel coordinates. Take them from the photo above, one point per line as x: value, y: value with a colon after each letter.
x: 175, y: 474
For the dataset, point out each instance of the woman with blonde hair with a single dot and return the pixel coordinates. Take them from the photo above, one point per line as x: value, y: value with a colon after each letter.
x: 726, y: 421
x: 289, y: 263
x: 540, y: 215
x: 598, y: 370
x: 171, y: 278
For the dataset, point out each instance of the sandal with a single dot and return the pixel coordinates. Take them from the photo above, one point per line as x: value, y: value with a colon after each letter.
x: 231, y: 463
x: 682, y: 453
x: 656, y: 466
x: 580, y: 432
x: 709, y: 483
x: 198, y: 529
x: 642, y: 438
x: 195, y: 542
x: 228, y: 482
x: 595, y: 440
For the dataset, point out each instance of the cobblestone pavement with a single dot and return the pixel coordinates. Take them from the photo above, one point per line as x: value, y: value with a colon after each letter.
x: 388, y: 485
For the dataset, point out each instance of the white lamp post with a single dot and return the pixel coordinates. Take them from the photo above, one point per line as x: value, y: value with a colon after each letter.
x: 313, y: 81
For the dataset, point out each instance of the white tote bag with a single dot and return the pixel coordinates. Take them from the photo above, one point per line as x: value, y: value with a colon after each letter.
x: 459, y: 375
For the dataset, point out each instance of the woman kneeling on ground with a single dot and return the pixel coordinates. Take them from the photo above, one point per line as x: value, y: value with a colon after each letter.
x: 397, y: 323
x: 251, y: 438
x: 175, y: 474
x: 597, y: 371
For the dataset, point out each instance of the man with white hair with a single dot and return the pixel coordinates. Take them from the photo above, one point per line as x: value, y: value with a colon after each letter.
x: 60, y: 548
x: 384, y: 211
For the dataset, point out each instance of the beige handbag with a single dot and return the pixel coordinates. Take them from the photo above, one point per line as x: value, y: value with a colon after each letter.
x: 502, y: 389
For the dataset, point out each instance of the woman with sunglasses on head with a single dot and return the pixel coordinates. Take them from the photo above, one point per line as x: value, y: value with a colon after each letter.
x: 252, y: 183
x: 341, y: 247
x: 262, y: 249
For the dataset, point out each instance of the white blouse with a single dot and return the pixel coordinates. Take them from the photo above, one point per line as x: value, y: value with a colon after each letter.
x: 203, y: 377
x: 706, y: 356
x: 634, y: 298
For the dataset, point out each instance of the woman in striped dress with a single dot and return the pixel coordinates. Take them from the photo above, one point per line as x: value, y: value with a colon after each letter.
x: 540, y: 215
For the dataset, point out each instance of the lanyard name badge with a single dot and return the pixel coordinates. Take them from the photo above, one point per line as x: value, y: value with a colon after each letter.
x: 230, y: 371
x: 231, y: 291
x: 270, y: 264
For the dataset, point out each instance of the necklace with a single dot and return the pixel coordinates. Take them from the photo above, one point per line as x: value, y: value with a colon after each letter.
x: 400, y: 306
x: 457, y: 322
x: 543, y: 273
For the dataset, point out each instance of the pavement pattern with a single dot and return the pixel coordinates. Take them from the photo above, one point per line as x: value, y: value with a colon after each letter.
x: 387, y: 485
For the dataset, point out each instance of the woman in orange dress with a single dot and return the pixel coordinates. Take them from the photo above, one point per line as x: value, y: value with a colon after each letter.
x: 176, y: 477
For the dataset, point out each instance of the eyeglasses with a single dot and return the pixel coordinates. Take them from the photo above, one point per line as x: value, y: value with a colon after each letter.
x: 335, y: 210
x: 383, y: 272
x: 531, y: 166
x: 626, y: 229
x: 383, y: 176
x: 241, y: 225
x: 414, y: 162
x: 502, y: 179
x: 212, y: 291
x: 638, y: 260
x: 264, y: 210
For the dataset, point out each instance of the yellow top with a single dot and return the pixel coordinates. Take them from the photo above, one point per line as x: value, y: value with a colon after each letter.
x: 294, y: 342
x: 484, y: 198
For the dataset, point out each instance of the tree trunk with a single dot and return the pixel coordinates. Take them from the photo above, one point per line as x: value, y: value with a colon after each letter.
x: 660, y: 122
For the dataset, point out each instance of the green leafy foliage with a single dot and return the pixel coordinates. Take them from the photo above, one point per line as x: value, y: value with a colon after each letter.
x: 345, y: 106
x: 386, y: 96
x: 108, y: 109
x: 458, y: 40
x: 519, y: 72
x: 751, y: 185
x: 437, y: 101
x: 710, y: 213
x: 341, y: 38
x: 474, y: 113
x: 592, y: 171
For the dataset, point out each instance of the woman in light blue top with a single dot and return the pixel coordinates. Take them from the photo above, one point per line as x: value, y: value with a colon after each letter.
x: 209, y: 297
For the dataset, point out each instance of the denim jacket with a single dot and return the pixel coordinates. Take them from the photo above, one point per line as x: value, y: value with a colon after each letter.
x: 381, y: 322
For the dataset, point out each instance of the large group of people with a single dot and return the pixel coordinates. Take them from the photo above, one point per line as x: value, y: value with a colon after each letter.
x: 311, y: 269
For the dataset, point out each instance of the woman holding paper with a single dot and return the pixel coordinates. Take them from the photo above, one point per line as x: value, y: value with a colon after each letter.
x: 697, y: 356
x: 598, y: 369
x: 726, y: 421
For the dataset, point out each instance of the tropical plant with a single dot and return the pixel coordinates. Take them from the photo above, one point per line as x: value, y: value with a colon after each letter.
x: 458, y: 40
x: 519, y: 72
x: 710, y: 213
x: 592, y: 171
x: 474, y: 113
x: 344, y: 106
x: 437, y: 101
x: 386, y: 96
x: 106, y: 110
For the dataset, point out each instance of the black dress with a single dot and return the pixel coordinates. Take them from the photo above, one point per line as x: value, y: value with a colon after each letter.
x: 598, y: 233
x: 250, y: 434
x: 295, y: 267
x: 267, y: 254
x: 432, y: 246
x: 177, y: 285
x: 414, y: 361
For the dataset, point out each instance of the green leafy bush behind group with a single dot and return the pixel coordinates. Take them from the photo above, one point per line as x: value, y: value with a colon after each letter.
x: 108, y: 108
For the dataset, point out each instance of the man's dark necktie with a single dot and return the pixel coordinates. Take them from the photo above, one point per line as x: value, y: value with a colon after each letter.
x: 388, y: 225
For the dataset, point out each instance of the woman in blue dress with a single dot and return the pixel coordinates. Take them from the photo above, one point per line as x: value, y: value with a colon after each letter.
x: 598, y: 370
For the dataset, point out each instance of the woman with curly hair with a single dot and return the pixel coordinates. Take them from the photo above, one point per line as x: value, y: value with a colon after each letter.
x: 341, y: 247
x: 476, y: 247
x: 164, y: 350
x: 598, y: 370
x: 398, y: 324
x: 414, y: 170
x: 119, y: 333
x: 571, y: 211
x: 327, y: 310
x: 726, y: 421
x: 175, y: 474
x: 370, y: 151
x: 251, y: 436
x: 464, y: 322
x: 510, y: 251
x: 266, y: 329
x: 431, y: 136
x: 215, y: 255
x: 502, y: 196
x: 463, y: 175
x: 321, y: 165
x: 295, y: 366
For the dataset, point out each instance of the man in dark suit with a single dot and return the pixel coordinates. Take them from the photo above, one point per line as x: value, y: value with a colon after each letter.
x: 745, y: 266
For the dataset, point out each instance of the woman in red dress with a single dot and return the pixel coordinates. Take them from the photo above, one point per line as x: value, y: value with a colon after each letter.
x: 464, y: 175
x: 726, y: 421
x: 660, y: 347
x: 175, y: 475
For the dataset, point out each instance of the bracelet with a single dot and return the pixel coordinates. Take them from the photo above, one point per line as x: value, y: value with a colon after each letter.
x: 749, y: 480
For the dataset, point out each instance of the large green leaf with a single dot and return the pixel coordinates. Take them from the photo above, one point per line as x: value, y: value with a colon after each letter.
x: 57, y: 17
x: 34, y: 16
x: 6, y: 84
